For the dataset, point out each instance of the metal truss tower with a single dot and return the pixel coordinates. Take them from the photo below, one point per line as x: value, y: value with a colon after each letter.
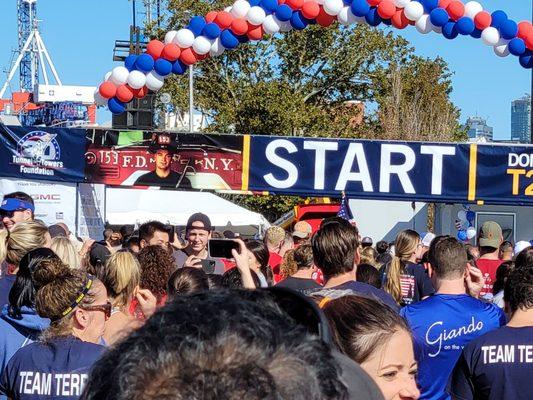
x: 29, y: 65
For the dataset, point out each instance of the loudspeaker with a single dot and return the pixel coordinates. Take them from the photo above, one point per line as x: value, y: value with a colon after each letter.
x: 139, y: 114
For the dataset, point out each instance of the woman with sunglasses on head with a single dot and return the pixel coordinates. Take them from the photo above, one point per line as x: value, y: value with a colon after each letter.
x: 57, y: 365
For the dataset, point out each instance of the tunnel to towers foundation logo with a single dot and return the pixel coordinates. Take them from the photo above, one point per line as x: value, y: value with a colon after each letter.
x: 38, y: 152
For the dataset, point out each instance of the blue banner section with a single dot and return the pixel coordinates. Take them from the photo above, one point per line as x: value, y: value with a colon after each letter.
x: 42, y: 153
x: 436, y: 172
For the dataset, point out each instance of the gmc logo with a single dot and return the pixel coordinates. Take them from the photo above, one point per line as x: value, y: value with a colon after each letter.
x: 46, y: 196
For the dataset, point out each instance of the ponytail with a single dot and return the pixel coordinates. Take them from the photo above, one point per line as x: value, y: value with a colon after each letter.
x: 393, y: 284
x: 3, y: 244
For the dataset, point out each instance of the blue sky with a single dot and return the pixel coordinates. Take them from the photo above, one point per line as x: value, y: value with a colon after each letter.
x: 80, y: 35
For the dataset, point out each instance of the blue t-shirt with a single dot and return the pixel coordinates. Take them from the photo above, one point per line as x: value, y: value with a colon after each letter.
x: 6, y: 283
x: 498, y: 365
x: 57, y: 370
x: 370, y: 291
x: 442, y: 325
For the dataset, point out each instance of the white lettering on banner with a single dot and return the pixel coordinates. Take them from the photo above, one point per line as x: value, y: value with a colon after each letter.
x: 320, y: 148
x: 520, y: 160
x: 445, y: 335
x: 438, y: 153
x: 355, y: 150
x: 291, y: 169
x: 401, y: 170
x: 39, y: 383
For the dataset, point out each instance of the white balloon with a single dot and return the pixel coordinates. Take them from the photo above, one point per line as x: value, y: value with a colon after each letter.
x: 502, y: 49
x: 271, y: 24
x: 154, y: 81
x: 201, y: 45
x: 184, y: 38
x: 285, y: 26
x: 471, y: 233
x: 319, y: 2
x: 99, y: 99
x: 256, y: 15
x: 401, y: 3
x: 136, y: 79
x: 333, y: 7
x: 414, y: 11
x: 346, y: 16
x: 424, y: 25
x: 228, y: 9
x: 107, y: 76
x: 170, y: 36
x: 437, y: 29
x: 461, y: 215
x: 490, y: 36
x: 216, y: 48
x: 472, y: 8
x: 240, y: 9
x: 119, y: 75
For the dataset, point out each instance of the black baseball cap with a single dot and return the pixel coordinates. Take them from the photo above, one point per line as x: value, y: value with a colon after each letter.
x: 163, y: 141
x: 199, y: 217
x: 99, y: 254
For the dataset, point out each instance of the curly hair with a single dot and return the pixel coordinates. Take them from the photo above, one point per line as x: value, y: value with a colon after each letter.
x: 288, y: 266
x: 518, y: 292
x: 157, y: 264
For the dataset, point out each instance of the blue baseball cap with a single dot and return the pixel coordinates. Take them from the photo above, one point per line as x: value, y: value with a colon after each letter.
x: 16, y: 205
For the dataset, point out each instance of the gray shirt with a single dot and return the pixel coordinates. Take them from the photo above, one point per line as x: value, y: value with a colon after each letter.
x: 181, y: 256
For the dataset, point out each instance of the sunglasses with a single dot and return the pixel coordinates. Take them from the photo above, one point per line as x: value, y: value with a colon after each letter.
x: 7, y: 214
x: 105, y: 308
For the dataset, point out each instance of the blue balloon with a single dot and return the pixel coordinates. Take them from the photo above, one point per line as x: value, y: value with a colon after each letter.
x: 254, y: 3
x: 243, y: 38
x: 439, y: 17
x: 386, y: 21
x: 116, y: 106
x: 462, y: 236
x: 129, y: 62
x: 360, y: 8
x: 228, y: 39
x: 179, y: 68
x: 144, y: 63
x: 526, y: 59
x: 196, y: 25
x: 470, y: 216
x: 509, y: 29
x: 162, y: 67
x: 465, y: 26
x: 373, y: 18
x: 347, y: 2
x: 298, y: 21
x: 211, y: 30
x: 517, y: 47
x: 269, y: 5
x: 498, y: 18
x: 429, y: 5
x: 284, y: 12
x: 476, y: 33
x: 449, y: 30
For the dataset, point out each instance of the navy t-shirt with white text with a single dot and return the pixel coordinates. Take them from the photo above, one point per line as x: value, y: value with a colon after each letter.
x: 498, y: 365
x: 55, y: 370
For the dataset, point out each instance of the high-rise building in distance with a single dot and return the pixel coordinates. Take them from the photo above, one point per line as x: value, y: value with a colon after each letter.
x: 521, y: 119
x: 478, y: 129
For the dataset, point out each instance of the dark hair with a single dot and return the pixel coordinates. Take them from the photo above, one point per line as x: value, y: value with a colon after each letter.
x: 147, y: 230
x: 524, y: 258
x: 187, y: 280
x: 382, y: 246
x: 22, y: 293
x: 469, y: 254
x: 232, y: 279
x: 518, y: 293
x: 447, y: 256
x: 157, y: 264
x: 506, y: 245
x: 367, y: 273
x: 361, y: 325
x: 502, y: 273
x: 132, y: 241
x: 214, y: 281
x: 303, y: 256
x: 223, y: 344
x: 334, y: 247
x: 260, y: 252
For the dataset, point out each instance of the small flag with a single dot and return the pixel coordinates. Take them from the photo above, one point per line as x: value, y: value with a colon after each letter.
x: 345, y: 212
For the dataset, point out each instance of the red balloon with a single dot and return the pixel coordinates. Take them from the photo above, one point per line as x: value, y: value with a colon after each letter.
x: 529, y: 41
x: 201, y: 57
x: 154, y: 48
x: 124, y: 93
x: 255, y: 32
x: 188, y: 56
x: 239, y: 26
x: 373, y: 3
x: 210, y: 16
x: 295, y: 4
x: 386, y: 9
x: 223, y: 19
x: 444, y: 3
x: 107, y: 90
x: 524, y: 29
x: 280, y: 2
x: 310, y: 10
x: 140, y: 93
x: 171, y: 52
x: 456, y: 9
x: 399, y: 20
x: 324, y: 19
x: 482, y: 20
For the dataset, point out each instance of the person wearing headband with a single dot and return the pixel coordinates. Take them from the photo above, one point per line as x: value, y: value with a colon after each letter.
x: 16, y: 207
x: 57, y: 366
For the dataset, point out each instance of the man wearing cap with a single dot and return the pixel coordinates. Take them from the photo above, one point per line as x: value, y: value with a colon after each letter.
x: 367, y: 242
x: 490, y: 239
x: 302, y: 231
x: 195, y: 254
x: 16, y: 207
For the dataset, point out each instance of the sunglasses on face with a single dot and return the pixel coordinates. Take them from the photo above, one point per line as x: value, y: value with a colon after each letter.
x: 7, y: 214
x: 105, y: 308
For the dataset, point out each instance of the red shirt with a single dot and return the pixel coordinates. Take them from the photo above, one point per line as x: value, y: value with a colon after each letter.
x: 274, y: 261
x: 488, y: 268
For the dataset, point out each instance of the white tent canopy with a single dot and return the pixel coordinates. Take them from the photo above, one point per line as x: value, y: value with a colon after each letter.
x: 131, y: 206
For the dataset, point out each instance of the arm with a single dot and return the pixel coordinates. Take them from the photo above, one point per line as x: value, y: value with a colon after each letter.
x: 243, y: 265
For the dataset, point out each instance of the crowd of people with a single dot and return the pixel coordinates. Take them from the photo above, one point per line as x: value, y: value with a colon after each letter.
x: 303, y: 314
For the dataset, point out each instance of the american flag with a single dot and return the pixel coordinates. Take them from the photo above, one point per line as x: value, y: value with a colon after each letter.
x: 345, y: 211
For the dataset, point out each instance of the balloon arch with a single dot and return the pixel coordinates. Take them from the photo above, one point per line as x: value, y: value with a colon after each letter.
x: 251, y: 20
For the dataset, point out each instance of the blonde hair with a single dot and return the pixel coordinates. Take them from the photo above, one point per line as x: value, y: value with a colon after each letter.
x: 121, y: 275
x: 404, y: 246
x: 288, y: 266
x: 368, y: 256
x: 23, y: 238
x: 66, y: 251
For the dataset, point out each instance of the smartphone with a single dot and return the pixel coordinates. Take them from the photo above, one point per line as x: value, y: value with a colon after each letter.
x: 208, y: 266
x: 221, y: 248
